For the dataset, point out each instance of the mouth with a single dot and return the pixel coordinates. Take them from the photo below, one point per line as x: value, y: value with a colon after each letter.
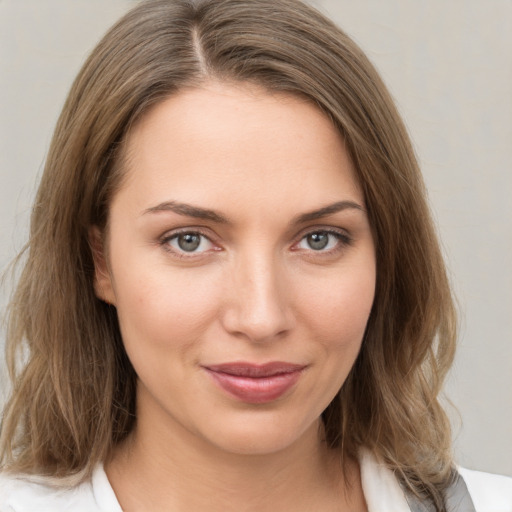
x: 253, y: 383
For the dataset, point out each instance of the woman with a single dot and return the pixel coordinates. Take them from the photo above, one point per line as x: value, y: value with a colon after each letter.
x: 233, y: 297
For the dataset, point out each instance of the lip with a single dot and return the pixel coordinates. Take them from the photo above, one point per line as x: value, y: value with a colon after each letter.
x: 255, y: 383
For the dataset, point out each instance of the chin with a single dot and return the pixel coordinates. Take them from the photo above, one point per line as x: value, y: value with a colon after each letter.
x: 258, y: 438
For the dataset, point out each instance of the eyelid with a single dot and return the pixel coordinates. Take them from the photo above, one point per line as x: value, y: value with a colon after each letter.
x: 169, y: 235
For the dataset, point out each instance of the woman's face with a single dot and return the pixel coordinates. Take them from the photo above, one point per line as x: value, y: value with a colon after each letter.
x: 242, y: 266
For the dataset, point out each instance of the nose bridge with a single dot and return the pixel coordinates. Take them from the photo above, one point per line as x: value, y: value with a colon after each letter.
x: 258, y: 308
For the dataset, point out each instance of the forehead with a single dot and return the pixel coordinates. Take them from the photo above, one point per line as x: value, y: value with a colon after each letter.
x: 230, y: 141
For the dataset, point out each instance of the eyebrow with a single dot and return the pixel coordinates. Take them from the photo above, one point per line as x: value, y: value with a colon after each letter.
x: 328, y: 210
x: 188, y: 210
x: 196, y: 212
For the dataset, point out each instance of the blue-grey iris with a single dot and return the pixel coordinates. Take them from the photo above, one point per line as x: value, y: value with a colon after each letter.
x: 318, y: 241
x: 189, y: 242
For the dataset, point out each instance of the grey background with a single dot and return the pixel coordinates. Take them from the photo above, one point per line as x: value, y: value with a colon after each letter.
x: 449, y: 66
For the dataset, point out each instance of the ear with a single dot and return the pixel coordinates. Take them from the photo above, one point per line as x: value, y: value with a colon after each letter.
x: 102, y: 279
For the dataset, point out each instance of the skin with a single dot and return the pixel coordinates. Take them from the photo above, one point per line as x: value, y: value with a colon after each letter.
x: 254, y: 290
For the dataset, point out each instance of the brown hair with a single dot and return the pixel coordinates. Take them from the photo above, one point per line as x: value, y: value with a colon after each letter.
x: 74, y: 397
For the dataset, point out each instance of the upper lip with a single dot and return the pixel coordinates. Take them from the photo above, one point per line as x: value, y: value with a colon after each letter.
x: 252, y: 370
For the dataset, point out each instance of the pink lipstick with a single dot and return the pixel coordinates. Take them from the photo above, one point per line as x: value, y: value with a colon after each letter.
x: 253, y: 383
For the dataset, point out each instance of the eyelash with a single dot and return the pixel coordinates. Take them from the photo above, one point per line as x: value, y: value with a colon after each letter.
x: 343, y: 239
x: 166, y: 239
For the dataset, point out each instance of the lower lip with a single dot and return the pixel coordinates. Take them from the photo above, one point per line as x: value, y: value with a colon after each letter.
x: 256, y: 390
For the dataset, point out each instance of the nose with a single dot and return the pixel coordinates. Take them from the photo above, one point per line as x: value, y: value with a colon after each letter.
x: 257, y: 308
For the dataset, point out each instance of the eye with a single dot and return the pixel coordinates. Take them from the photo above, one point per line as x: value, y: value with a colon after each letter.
x: 323, y: 241
x: 189, y: 242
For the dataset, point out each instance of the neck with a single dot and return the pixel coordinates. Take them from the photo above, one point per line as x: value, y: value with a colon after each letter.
x: 173, y: 469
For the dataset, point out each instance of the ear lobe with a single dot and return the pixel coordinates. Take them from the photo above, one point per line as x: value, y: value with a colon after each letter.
x: 102, y: 279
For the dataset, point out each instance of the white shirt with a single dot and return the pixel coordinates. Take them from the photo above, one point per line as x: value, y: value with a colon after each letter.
x: 490, y: 493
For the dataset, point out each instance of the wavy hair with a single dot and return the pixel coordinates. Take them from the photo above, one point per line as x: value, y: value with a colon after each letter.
x: 73, y: 396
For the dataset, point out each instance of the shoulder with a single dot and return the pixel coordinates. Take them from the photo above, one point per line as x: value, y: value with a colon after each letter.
x: 490, y: 493
x: 19, y: 493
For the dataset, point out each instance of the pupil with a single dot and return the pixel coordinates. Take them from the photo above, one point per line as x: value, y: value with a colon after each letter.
x: 318, y: 241
x: 189, y: 242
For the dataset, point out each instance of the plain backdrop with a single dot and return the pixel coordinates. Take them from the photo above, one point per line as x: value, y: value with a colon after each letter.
x: 449, y: 66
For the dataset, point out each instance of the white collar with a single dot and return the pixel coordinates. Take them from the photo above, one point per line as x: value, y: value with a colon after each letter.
x: 380, y: 486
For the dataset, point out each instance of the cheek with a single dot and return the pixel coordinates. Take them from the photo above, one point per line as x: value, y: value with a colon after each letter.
x: 335, y: 310
x: 338, y: 307
x: 161, y: 308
